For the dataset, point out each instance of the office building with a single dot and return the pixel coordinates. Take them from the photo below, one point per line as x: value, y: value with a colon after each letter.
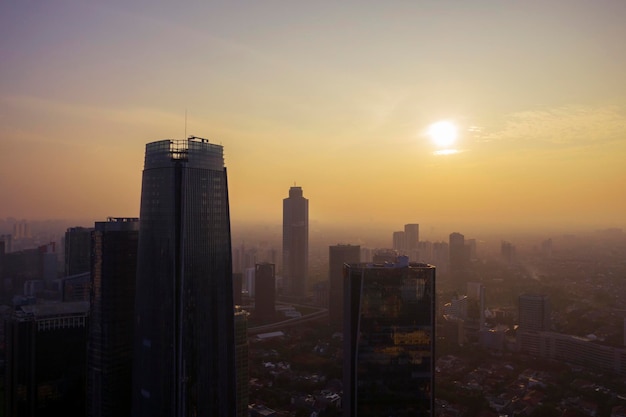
x: 398, y: 241
x: 459, y: 255
x: 46, y: 360
x: 184, y: 354
x: 534, y: 313
x: 389, y: 323
x: 411, y: 241
x: 112, y: 297
x: 265, y: 291
x: 77, y: 250
x: 296, y: 242
x: 339, y: 255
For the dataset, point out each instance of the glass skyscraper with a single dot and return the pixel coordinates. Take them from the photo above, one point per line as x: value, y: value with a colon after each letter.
x: 389, y: 324
x: 183, y: 362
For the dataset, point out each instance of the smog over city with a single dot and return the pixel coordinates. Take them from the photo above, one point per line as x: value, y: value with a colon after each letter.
x: 485, y: 139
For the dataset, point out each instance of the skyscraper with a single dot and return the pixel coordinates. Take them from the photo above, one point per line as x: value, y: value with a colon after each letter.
x: 77, y: 250
x: 339, y: 255
x: 265, y: 291
x: 183, y: 360
x: 389, y: 324
x: 110, y: 343
x: 295, y: 241
x: 457, y: 252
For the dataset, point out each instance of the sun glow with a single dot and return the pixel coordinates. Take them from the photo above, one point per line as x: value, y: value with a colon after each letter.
x: 443, y: 133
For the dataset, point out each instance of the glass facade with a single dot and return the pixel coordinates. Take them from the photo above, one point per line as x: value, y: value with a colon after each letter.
x: 389, y: 339
x: 184, y: 363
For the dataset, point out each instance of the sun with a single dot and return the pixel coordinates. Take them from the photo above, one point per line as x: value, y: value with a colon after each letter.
x: 443, y: 133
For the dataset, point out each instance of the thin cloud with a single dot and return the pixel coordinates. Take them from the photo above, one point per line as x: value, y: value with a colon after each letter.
x: 567, y: 125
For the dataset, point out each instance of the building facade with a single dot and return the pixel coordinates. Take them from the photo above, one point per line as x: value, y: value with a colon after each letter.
x: 184, y: 360
x: 265, y: 291
x: 389, y: 324
x: 112, y: 299
x: 338, y: 255
x: 46, y: 360
x: 296, y: 242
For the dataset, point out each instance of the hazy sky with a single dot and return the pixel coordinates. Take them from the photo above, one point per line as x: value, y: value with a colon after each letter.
x: 334, y: 96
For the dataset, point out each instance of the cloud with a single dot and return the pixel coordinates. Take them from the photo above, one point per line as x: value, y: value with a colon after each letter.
x: 566, y: 125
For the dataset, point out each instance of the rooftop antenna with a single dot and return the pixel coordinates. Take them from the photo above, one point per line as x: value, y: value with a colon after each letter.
x: 185, y: 137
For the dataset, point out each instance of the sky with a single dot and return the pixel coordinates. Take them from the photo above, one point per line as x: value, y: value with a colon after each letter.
x: 335, y: 97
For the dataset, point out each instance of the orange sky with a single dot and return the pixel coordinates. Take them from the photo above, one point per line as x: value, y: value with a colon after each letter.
x: 334, y: 97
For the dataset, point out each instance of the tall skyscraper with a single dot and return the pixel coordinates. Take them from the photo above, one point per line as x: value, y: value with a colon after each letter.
x: 339, y: 255
x: 184, y: 355
x: 296, y: 242
x: 110, y: 344
x: 389, y: 325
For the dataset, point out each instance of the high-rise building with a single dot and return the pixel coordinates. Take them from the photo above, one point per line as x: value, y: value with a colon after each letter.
x: 411, y: 239
x: 184, y: 355
x: 110, y: 344
x: 398, y: 241
x: 458, y: 252
x: 339, y: 255
x: 534, y: 313
x: 389, y: 324
x: 77, y: 250
x: 296, y: 242
x: 265, y: 291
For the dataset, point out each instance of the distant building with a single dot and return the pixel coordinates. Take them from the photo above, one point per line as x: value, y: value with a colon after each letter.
x: 507, y: 252
x: 296, y: 242
x: 112, y: 297
x: 458, y: 253
x: 265, y: 291
x: 398, y: 241
x: 534, y: 313
x: 339, y: 255
x: 46, y: 360
x: 389, y: 324
x: 77, y: 250
x: 411, y: 239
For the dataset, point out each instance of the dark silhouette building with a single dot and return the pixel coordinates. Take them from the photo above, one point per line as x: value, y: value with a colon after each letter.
x: 184, y: 354
x: 296, y: 242
x: 265, y: 291
x: 389, y: 325
x: 110, y: 344
x: 46, y: 360
x: 242, y: 365
x: 77, y: 250
x: 339, y: 255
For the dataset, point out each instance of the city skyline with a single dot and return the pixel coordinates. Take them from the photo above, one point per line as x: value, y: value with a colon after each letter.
x: 536, y: 92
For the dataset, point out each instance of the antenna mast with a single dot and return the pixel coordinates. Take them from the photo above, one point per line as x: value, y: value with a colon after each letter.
x: 185, y: 123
